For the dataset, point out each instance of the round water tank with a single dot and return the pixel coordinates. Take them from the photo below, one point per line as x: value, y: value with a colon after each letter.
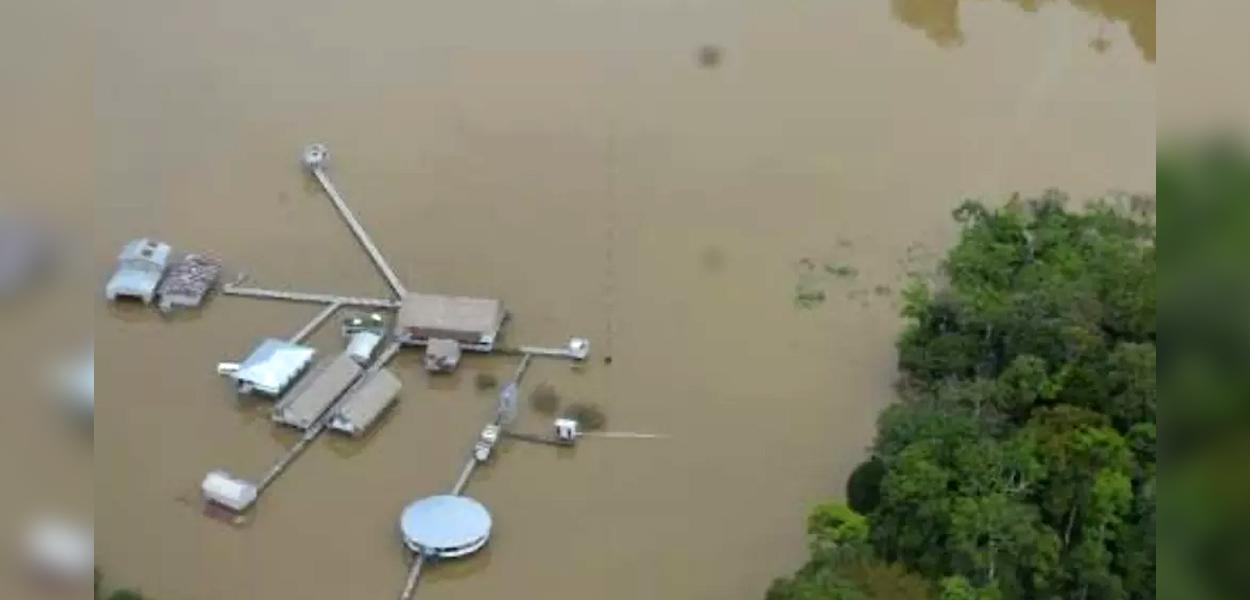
x: 445, y: 526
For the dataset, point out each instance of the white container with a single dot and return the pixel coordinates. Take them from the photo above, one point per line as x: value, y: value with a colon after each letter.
x: 360, y: 345
x: 486, y: 443
x: 233, y: 493
x: 578, y: 348
x: 566, y: 430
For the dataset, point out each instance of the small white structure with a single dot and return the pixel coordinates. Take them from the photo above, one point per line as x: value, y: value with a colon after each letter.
x: 445, y: 526
x: 442, y: 356
x: 233, y: 493
x: 506, y: 411
x: 486, y: 443
x: 315, y: 156
x: 59, y: 550
x: 360, y: 345
x: 578, y: 348
x: 270, y: 368
x: 364, y: 333
x: 141, y: 265
x: 566, y: 430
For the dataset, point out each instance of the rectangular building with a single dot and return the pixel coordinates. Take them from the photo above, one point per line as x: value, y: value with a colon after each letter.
x: 472, y: 322
x: 365, y: 404
x: 314, y: 394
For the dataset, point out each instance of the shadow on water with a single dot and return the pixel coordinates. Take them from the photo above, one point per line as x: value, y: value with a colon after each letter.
x: 453, y: 569
x: 939, y: 19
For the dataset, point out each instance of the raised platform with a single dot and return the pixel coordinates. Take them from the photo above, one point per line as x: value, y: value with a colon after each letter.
x: 313, y: 396
x: 365, y: 404
x: 445, y: 526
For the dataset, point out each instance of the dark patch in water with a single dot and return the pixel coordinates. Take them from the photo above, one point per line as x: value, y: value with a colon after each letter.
x: 710, y: 56
x: 808, y: 299
x: 545, y: 399
x: 589, y: 416
x: 841, y: 270
x: 485, y: 381
x: 712, y: 259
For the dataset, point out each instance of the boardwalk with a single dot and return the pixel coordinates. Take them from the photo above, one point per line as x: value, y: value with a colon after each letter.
x: 313, y: 298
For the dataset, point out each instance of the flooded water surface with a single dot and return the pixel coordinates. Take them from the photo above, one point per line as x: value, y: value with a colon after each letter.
x: 725, y: 197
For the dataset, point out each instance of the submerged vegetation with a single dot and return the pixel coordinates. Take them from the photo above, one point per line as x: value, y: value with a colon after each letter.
x: 1020, y: 460
x: 940, y: 20
x: 545, y: 399
x: 810, y: 287
x: 589, y: 416
x: 485, y: 381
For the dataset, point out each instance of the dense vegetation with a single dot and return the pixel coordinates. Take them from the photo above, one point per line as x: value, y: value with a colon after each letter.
x: 1020, y: 460
x: 1204, y: 188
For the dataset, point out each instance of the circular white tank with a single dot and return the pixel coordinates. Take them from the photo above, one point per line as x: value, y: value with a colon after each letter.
x: 445, y: 526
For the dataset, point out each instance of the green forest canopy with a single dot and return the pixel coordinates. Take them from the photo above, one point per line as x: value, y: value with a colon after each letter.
x: 1020, y: 460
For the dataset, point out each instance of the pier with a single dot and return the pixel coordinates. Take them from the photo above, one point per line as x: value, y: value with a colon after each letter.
x: 316, y: 322
x: 414, y: 575
x: 325, y: 400
x: 315, y: 157
x: 322, y: 422
x: 308, y: 297
x: 504, y: 413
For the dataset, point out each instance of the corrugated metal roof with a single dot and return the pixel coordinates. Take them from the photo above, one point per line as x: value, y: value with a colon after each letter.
x: 273, y: 365
x: 314, y: 395
x: 453, y: 317
x: 366, y: 403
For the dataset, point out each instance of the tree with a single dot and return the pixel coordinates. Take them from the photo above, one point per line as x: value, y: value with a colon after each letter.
x: 836, y: 524
x: 815, y: 585
x: 1133, y: 393
x: 1020, y: 459
x: 956, y: 587
x: 863, y: 488
x: 123, y: 594
x: 127, y: 595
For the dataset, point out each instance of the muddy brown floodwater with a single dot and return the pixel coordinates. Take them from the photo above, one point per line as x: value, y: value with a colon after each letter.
x: 664, y: 178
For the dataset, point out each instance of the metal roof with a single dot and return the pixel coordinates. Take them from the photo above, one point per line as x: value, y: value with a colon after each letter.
x: 364, y: 404
x: 188, y: 281
x: 445, y: 522
x: 455, y: 317
x: 317, y: 392
x: 274, y: 364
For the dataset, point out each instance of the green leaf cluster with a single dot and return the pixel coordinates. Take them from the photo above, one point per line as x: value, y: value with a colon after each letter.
x: 1020, y: 461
